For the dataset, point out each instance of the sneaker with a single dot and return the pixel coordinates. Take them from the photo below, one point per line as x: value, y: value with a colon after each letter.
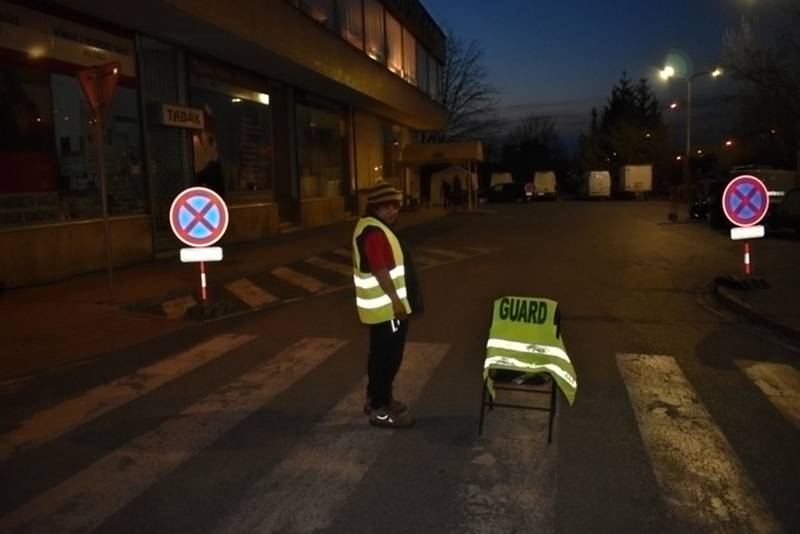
x: 395, y: 406
x: 386, y: 418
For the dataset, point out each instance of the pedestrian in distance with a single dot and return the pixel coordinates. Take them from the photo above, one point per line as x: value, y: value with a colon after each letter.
x: 387, y: 292
x: 445, y: 190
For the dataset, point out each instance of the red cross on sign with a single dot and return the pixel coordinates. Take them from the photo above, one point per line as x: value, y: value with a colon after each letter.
x: 198, y: 217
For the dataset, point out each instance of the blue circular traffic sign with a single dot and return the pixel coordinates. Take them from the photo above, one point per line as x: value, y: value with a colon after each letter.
x: 745, y: 200
x: 198, y: 217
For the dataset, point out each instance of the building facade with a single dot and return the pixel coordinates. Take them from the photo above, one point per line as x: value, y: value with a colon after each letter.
x: 290, y: 109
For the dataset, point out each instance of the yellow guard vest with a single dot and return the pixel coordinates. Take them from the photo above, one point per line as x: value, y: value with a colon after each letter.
x: 374, y: 306
x: 525, y: 336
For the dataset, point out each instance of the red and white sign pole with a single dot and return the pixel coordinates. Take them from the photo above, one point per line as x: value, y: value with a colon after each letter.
x: 745, y: 202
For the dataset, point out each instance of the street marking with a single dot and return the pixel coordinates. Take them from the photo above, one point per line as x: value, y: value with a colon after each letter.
x: 697, y: 469
x: 424, y: 261
x: 251, y: 294
x: 176, y: 308
x: 308, y: 283
x: 344, y: 253
x: 50, y: 423
x: 509, y: 480
x: 340, y: 268
x: 302, y: 493
x: 87, y: 499
x: 446, y: 253
x: 780, y: 383
x: 480, y: 250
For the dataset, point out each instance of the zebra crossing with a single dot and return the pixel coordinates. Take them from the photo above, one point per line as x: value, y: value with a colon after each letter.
x: 506, y: 480
x: 311, y: 276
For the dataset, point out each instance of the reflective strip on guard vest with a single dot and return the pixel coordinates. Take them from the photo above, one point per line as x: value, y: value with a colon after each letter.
x: 377, y: 302
x: 525, y: 336
x: 370, y: 281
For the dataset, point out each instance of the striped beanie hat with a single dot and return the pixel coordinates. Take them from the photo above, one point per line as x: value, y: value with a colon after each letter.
x: 383, y: 192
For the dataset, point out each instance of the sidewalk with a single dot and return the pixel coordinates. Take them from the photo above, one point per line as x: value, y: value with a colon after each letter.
x: 776, y: 260
x: 66, y: 322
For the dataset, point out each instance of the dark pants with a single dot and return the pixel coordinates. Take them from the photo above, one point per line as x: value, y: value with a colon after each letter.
x: 385, y: 355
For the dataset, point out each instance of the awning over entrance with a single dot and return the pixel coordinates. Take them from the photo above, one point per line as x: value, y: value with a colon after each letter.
x: 432, y: 153
x: 464, y: 153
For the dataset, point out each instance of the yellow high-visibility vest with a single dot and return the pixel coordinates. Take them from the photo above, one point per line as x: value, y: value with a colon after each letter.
x: 526, y: 336
x: 374, y: 306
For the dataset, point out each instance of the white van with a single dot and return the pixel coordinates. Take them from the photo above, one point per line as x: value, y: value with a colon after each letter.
x: 597, y: 184
x: 544, y: 184
x: 635, y: 181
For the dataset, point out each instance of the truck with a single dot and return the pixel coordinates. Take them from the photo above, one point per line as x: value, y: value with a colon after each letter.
x: 544, y: 184
x: 635, y: 181
x: 597, y: 184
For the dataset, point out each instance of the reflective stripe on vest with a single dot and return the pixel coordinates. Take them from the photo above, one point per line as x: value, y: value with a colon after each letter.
x: 525, y: 336
x: 375, y: 306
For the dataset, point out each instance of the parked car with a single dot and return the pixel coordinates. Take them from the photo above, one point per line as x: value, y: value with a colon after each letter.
x: 506, y: 192
x: 789, y: 213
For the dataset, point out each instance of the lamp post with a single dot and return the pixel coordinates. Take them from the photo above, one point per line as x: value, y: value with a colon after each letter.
x: 668, y: 72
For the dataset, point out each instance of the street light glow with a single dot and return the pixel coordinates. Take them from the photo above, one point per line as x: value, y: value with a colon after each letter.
x: 729, y: 142
x: 716, y: 72
x: 667, y: 72
x: 673, y: 105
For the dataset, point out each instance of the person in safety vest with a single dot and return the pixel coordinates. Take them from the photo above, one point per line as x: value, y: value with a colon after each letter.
x: 387, y: 292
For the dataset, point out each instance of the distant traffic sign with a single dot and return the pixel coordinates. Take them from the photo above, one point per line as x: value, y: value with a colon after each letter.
x: 529, y: 189
x: 198, y: 217
x: 745, y: 200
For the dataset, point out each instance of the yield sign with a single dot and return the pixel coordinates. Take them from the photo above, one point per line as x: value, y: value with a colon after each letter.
x: 198, y: 217
x: 745, y: 200
x: 98, y: 84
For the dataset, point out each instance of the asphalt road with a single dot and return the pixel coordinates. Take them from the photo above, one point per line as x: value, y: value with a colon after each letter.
x: 253, y: 423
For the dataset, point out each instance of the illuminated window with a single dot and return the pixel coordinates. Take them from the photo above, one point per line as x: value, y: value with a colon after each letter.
x: 319, y: 10
x: 375, y: 30
x: 351, y: 22
x: 394, y: 45
x: 434, y: 78
x: 409, y: 57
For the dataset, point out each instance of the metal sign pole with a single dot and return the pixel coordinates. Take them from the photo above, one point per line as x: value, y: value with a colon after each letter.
x: 100, y: 142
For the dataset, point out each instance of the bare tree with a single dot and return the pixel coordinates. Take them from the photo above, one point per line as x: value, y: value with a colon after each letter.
x: 765, y: 54
x: 467, y: 94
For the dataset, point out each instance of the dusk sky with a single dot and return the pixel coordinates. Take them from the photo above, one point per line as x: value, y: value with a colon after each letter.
x: 561, y: 58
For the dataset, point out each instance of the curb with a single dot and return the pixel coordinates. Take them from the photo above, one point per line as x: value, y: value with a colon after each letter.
x: 726, y: 297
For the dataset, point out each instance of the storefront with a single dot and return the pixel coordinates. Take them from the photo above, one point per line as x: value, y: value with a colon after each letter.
x: 49, y: 188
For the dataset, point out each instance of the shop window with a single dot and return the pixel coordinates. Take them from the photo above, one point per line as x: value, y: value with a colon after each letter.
x: 394, y: 45
x: 409, y: 57
x: 48, y: 155
x: 320, y: 151
x: 375, y: 30
x: 319, y: 10
x: 422, y: 69
x: 351, y: 22
x: 233, y: 152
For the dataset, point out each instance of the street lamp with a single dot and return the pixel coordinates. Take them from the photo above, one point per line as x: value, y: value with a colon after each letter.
x: 668, y: 72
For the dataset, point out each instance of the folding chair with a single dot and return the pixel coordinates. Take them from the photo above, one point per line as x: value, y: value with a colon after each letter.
x: 525, y: 341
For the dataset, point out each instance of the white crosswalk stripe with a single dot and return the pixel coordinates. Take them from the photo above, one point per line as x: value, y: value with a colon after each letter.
x: 251, y: 294
x: 55, y: 421
x: 332, y: 266
x: 780, y: 383
x: 697, y: 469
x: 302, y: 493
x: 309, y: 283
x: 176, y: 308
x: 84, y: 501
x: 510, y: 479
